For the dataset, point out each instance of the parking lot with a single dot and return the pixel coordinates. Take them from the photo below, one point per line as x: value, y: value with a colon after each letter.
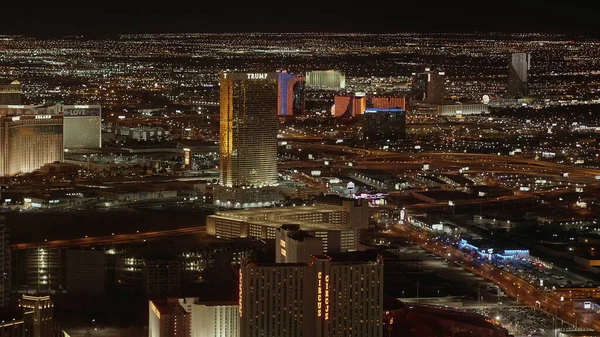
x: 523, y: 321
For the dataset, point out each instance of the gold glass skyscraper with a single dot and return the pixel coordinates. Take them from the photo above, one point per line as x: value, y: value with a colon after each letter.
x: 248, y: 129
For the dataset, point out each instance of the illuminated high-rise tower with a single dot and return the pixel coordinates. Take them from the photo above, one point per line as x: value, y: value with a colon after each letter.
x: 291, y: 93
x: 248, y: 129
x: 518, y: 73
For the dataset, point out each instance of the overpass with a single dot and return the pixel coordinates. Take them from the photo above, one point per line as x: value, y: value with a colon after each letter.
x: 111, y: 239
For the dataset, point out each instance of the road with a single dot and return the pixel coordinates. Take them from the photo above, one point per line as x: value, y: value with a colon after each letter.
x: 112, y: 239
x: 513, y: 286
x: 448, y: 161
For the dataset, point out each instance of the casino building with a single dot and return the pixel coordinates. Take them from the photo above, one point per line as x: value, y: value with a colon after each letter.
x: 82, y: 126
x: 248, y: 133
x: 32, y: 136
x: 29, y: 141
x: 330, y: 296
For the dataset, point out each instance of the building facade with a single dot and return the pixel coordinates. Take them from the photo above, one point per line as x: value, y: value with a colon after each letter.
x: 518, y: 73
x: 290, y: 94
x: 248, y: 129
x: 275, y: 300
x: 386, y: 102
x: 350, y: 106
x: 336, y: 225
x: 11, y: 94
x: 429, y: 86
x: 463, y: 109
x: 189, y: 316
x: 86, y: 272
x: 384, y: 126
x: 247, y: 197
x: 214, y: 319
x: 166, y: 318
x: 325, y: 79
x: 82, y: 126
x: 293, y: 245
x: 34, y: 318
x: 321, y: 298
x: 41, y: 308
x: 29, y: 142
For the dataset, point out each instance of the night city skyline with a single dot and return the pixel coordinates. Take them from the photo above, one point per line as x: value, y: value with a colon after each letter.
x: 300, y: 169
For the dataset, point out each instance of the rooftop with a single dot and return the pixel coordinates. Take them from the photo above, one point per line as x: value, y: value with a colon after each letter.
x: 164, y: 307
x: 282, y: 216
x: 299, y: 235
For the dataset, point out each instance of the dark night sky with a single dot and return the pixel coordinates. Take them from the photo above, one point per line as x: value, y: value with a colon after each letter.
x: 102, y: 18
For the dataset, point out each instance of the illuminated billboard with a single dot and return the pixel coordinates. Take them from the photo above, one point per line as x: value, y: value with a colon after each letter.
x: 83, y: 110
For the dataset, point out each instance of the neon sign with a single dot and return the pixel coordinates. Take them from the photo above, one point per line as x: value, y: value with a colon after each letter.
x: 319, y: 291
x: 326, y: 297
x: 322, y: 296
x: 257, y: 76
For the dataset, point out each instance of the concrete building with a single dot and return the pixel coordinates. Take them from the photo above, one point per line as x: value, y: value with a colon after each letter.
x: 518, y: 75
x: 384, y: 126
x: 168, y: 319
x: 143, y: 133
x: 350, y: 106
x: 41, y: 309
x: 38, y: 270
x: 429, y: 86
x: 212, y: 319
x: 386, y: 102
x: 293, y: 245
x: 316, y: 299
x: 86, y: 272
x: 463, y: 109
x: 249, y: 197
x: 161, y: 277
x: 35, y: 318
x: 11, y: 94
x: 325, y: 79
x: 336, y: 225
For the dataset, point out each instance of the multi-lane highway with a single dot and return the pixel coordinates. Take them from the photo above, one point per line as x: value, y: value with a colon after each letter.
x: 112, y: 239
x: 512, y: 285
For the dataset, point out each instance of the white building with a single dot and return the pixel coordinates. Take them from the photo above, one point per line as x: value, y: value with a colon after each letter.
x: 166, y: 318
x: 212, y: 319
x: 325, y: 79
